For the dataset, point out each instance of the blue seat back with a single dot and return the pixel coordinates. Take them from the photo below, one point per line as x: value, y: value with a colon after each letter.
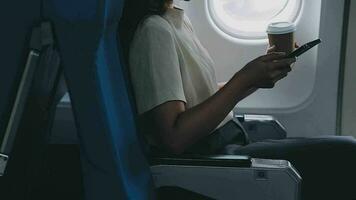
x: 114, y: 166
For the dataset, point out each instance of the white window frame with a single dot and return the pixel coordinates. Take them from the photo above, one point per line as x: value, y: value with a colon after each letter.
x: 245, y: 35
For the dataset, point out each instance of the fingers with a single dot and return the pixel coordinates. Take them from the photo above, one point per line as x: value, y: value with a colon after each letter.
x: 296, y: 45
x: 287, y: 61
x: 271, y: 49
x: 283, y: 63
x: 273, y: 56
x: 274, y: 77
x: 277, y: 75
x: 280, y: 73
x: 280, y: 77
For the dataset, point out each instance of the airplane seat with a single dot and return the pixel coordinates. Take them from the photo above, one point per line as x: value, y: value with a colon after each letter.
x: 261, y: 127
x: 114, y: 163
x: 114, y: 166
x: 188, y: 171
x: 30, y: 90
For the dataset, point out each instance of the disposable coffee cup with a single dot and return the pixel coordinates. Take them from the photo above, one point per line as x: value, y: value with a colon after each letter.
x: 281, y: 35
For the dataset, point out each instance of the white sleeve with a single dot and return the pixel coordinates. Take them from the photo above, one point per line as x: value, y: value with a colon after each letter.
x: 154, y: 67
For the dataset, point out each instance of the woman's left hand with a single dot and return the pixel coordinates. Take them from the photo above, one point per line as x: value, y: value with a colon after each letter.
x: 273, y: 48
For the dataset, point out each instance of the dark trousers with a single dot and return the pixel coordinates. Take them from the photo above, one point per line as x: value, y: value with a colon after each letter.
x: 327, y: 165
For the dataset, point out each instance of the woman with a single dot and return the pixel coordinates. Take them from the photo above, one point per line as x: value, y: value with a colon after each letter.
x: 183, y: 110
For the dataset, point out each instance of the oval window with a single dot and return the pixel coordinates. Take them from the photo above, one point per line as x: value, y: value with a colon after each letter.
x: 248, y: 19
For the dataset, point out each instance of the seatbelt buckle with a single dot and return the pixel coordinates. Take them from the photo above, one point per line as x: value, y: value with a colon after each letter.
x: 3, y: 162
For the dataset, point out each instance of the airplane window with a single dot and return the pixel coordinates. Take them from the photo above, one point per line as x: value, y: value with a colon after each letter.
x: 248, y: 19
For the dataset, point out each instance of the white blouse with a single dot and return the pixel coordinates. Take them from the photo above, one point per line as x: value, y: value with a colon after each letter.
x: 168, y: 63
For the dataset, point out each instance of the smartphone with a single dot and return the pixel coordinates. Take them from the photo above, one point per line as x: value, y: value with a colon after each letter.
x: 306, y: 47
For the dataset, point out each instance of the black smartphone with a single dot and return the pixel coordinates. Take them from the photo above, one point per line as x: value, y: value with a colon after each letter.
x: 296, y: 53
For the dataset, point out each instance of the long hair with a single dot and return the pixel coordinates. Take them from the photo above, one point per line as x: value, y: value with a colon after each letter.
x: 135, y: 11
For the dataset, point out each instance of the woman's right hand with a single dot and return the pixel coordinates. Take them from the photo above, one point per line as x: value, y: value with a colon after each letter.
x: 267, y: 70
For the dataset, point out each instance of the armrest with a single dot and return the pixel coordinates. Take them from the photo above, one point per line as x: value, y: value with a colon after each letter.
x: 262, y: 127
x: 3, y: 163
x: 195, y: 160
x: 223, y: 177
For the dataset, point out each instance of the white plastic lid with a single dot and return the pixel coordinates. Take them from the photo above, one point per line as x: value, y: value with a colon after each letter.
x: 281, y: 28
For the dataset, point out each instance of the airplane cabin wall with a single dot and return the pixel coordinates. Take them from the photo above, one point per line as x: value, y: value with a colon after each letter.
x: 306, y: 101
x: 348, y: 122
x: 315, y: 117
